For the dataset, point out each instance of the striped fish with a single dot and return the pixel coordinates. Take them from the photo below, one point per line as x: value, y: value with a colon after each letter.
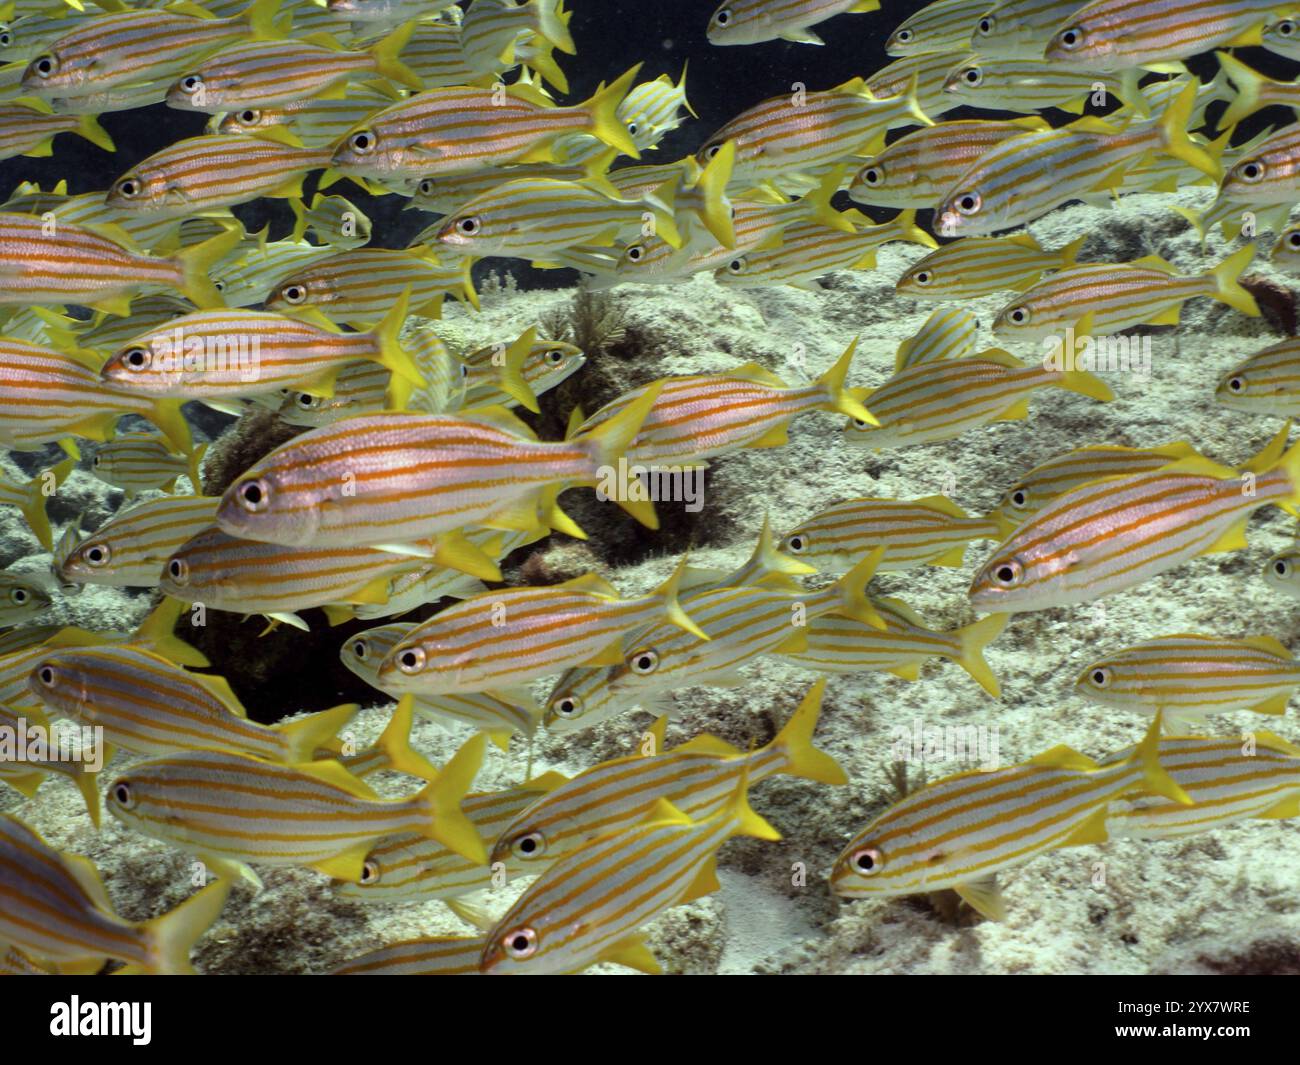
x: 435, y: 55
x: 447, y: 192
x: 432, y: 956
x: 332, y: 220
x: 396, y: 478
x: 1229, y: 780
x: 500, y: 639
x: 1111, y: 535
x: 1020, y: 28
x: 1268, y: 175
x: 30, y: 131
x: 131, y: 548
x: 756, y: 21
x: 1286, y: 252
x: 1120, y: 295
x: 744, y: 622
x: 814, y: 129
x: 31, y: 496
x: 490, y: 33
x: 359, y: 287
x: 942, y: 26
x: 933, y: 531
x: 410, y: 868
x: 60, y: 262
x: 144, y: 462
x: 922, y: 165
x: 1254, y: 90
x: 1282, y: 37
x: 26, y: 773
x: 1111, y: 35
x: 981, y: 266
x: 1188, y: 676
x: 809, y: 250
x: 961, y: 831
x: 1068, y: 471
x: 235, y: 353
x: 1266, y: 383
x: 587, y: 907
x: 545, y: 365
x: 276, y: 73
x: 312, y: 122
x: 250, y: 277
x: 48, y: 395
x: 652, y: 109
x: 935, y: 401
x: 21, y: 598
x: 231, y: 810
x: 1006, y: 84
x: 844, y: 645
x: 1282, y: 572
x: 56, y: 911
x: 949, y: 333
x: 463, y: 128
x: 216, y: 170
x: 927, y: 72
x: 698, y: 778
x: 146, y: 704
x: 699, y: 417
x: 1024, y: 177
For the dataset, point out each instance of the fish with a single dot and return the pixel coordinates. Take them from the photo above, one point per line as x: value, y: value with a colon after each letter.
x: 935, y: 401
x: 1268, y: 175
x: 311, y: 122
x: 587, y: 907
x: 962, y: 830
x: 1268, y: 382
x: 144, y: 462
x: 652, y: 109
x: 30, y: 130
x: 30, y: 498
x: 545, y: 364
x: 1024, y: 177
x: 697, y: 778
x: 1020, y: 28
x: 499, y: 639
x: 1282, y: 572
x: 704, y: 416
x: 491, y: 35
x: 233, y: 811
x: 446, y: 193
x: 215, y: 170
x: 149, y: 705
x: 57, y: 912
x: 1119, y: 296
x: 1254, y: 90
x: 931, y: 531
x: 1005, y: 84
x: 335, y: 486
x: 844, y: 645
x: 51, y: 264
x: 445, y: 130
x: 1286, y: 252
x: 1067, y: 471
x: 1280, y: 37
x: 924, y: 73
x: 30, y: 751
x: 941, y: 26
x: 222, y: 355
x: 1229, y: 779
x: 755, y: 21
x: 249, y: 278
x: 22, y: 598
x: 949, y: 333
x: 922, y: 165
x: 431, y: 956
x: 1110, y: 535
x: 130, y: 549
x: 1188, y: 676
x: 980, y: 266
x: 332, y: 220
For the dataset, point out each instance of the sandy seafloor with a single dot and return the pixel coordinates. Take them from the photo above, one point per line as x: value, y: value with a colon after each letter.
x: 1212, y: 903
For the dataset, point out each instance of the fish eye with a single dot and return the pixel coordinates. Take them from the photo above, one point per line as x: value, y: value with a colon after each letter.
x: 178, y: 570
x: 128, y: 188
x: 722, y: 17
x: 923, y: 277
x: 986, y: 25
x: 858, y: 423
x: 1252, y: 172
x: 1070, y: 38
x: 969, y: 203
x: 555, y: 357
x: 411, y: 660
x: 1008, y: 574
x: 307, y: 401
x: 6, y: 39
x: 1281, y: 567
x: 903, y: 36
x: 294, y: 294
x: 18, y: 596
x: 362, y: 143
x: 95, y: 461
x: 123, y: 795
x: 1019, y: 497
x: 872, y: 176
x: 192, y: 84
x: 468, y: 227
x: 1235, y: 384
x: 46, y: 675
x: 136, y: 359
x: 97, y: 555
x: 426, y: 187
x: 369, y: 872
x: 45, y: 66
x: 1018, y: 315
x: 635, y: 253
x: 972, y: 76
x: 711, y: 150
x: 520, y: 943
x: 253, y: 496
x: 566, y: 706
x: 530, y: 845
x: 796, y: 544
x: 632, y: 128
x: 220, y: 286
x: 1285, y: 28
x: 250, y: 117
x: 737, y: 266
x: 1293, y: 240
x: 643, y: 662
x: 867, y: 861
x: 361, y: 649
x: 1100, y: 677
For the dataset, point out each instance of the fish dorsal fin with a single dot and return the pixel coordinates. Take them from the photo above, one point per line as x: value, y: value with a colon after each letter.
x: 1002, y: 358
x: 1268, y: 644
x: 708, y: 744
x: 1063, y: 757
x: 499, y: 417
x: 333, y: 772
x: 1155, y: 262
x: 591, y: 582
x: 220, y: 689
x: 753, y: 371
x: 942, y: 504
x: 547, y: 782
x: 665, y: 812
x: 1273, y: 742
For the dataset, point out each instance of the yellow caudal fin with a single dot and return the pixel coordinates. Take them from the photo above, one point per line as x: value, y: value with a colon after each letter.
x: 395, y: 742
x: 1070, y: 253
x: 795, y: 742
x: 608, y: 442
x: 91, y: 130
x: 553, y: 25
x: 974, y: 638
x: 1174, y: 136
x: 387, y: 56
x: 1248, y: 84
x: 442, y: 798
x: 388, y: 343
x: 713, y: 206
x: 766, y: 561
x: 87, y: 782
x: 907, y: 229
x: 166, y: 415
x: 672, y: 607
x: 1268, y: 455
x: 851, y: 590
x: 36, y: 493
x: 511, y: 377
x: 157, y: 632
x: 1085, y: 384
x: 1227, y: 287
x: 1154, y: 776
x: 196, y: 264
x: 261, y: 17
x: 172, y: 936
x: 841, y: 399
x: 302, y: 739
x: 603, y: 110
x: 744, y: 821
x: 194, y: 467
x: 1290, y: 464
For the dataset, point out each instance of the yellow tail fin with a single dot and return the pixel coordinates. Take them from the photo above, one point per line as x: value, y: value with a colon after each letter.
x: 1227, y: 287
x: 974, y: 638
x: 603, y: 109
x: 172, y: 936
x: 795, y: 742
